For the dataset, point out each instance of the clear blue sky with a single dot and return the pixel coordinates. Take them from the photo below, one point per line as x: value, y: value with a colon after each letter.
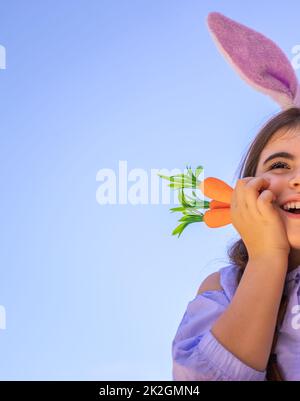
x: 97, y: 292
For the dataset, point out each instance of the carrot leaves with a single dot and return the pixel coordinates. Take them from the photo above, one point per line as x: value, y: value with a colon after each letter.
x: 190, y: 204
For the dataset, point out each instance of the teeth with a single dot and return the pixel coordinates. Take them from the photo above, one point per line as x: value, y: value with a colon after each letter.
x: 291, y: 205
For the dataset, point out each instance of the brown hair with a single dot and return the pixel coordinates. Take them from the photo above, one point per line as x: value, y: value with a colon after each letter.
x: 237, y: 253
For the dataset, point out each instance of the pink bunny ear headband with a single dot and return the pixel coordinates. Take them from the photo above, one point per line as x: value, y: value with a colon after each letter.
x: 263, y: 65
x: 257, y: 59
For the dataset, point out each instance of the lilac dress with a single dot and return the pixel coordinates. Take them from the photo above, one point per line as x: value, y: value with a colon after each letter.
x: 197, y: 354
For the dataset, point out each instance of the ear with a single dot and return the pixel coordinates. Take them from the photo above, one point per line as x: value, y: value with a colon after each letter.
x: 258, y: 60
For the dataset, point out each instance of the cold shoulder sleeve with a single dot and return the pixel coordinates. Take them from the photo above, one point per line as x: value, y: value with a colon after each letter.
x: 196, y: 353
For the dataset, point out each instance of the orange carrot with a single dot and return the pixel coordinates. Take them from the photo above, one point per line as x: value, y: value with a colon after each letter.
x: 217, y: 217
x: 214, y: 204
x: 216, y: 189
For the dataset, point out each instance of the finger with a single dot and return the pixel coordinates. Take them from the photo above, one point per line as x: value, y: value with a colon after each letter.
x: 265, y: 203
x: 237, y: 196
x: 252, y: 191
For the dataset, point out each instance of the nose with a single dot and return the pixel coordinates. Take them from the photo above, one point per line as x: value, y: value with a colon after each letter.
x: 295, y: 181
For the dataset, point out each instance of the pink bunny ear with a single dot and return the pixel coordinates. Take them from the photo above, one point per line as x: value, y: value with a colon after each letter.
x: 258, y: 60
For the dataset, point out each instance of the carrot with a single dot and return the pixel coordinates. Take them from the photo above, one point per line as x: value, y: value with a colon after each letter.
x: 216, y: 189
x: 214, y: 204
x: 217, y: 217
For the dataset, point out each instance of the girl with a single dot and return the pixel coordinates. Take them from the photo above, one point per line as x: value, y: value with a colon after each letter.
x: 228, y: 331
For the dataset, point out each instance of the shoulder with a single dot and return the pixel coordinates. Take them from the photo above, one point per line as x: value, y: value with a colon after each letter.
x: 226, y: 279
x: 211, y: 283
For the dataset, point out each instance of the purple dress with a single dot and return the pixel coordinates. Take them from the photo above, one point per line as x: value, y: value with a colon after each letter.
x: 197, y: 354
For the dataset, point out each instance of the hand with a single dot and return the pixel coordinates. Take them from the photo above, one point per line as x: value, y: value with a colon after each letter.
x: 257, y: 219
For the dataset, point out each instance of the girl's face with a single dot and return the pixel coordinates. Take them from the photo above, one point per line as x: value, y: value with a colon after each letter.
x: 283, y: 172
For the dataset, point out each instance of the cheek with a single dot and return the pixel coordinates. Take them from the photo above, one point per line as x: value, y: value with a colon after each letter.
x: 278, y: 183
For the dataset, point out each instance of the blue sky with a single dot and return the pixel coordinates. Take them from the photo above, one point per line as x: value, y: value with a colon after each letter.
x: 96, y: 292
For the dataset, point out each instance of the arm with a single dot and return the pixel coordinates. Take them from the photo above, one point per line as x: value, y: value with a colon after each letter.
x: 196, y: 353
x: 246, y: 328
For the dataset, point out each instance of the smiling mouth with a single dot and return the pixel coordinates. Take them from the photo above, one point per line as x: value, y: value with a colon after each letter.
x: 291, y: 211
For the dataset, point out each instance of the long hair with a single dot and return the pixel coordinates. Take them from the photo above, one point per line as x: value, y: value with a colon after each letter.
x: 289, y: 120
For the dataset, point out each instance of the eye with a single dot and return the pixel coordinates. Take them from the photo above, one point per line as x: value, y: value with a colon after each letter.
x: 278, y: 164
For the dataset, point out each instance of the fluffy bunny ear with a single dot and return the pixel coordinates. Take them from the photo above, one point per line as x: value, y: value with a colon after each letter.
x: 258, y: 60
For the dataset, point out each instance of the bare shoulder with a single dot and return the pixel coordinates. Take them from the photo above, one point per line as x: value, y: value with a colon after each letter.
x: 211, y: 283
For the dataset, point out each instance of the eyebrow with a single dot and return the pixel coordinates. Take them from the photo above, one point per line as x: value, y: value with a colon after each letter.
x: 284, y: 155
